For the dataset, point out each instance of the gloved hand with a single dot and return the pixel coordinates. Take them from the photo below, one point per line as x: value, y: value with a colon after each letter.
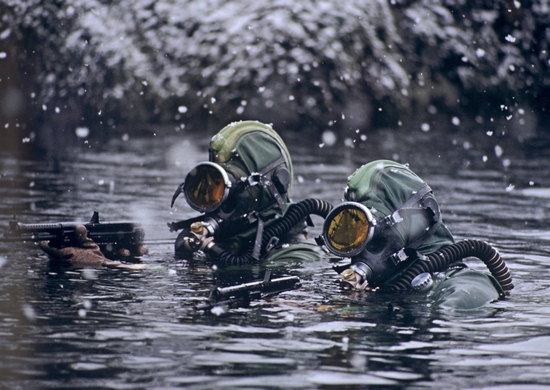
x: 87, y: 253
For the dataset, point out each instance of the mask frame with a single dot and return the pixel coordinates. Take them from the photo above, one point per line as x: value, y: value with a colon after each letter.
x: 199, y: 180
x: 335, y: 231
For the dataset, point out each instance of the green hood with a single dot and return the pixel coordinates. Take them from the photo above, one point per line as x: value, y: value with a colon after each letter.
x: 247, y: 147
x: 383, y: 186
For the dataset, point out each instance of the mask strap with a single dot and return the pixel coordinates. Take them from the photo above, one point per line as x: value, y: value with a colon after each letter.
x: 425, y: 206
x: 273, y: 165
x: 422, y: 192
x: 269, y: 183
x: 259, y: 238
x: 406, y: 208
x: 273, y: 190
x: 428, y: 205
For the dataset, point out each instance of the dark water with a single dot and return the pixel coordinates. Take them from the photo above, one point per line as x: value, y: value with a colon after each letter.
x: 137, y: 329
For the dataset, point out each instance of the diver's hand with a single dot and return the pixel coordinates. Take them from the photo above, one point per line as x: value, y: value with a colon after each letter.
x: 86, y: 252
x: 126, y: 253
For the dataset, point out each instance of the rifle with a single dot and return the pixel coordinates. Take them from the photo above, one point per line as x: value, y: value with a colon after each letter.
x: 109, y: 236
x: 242, y: 294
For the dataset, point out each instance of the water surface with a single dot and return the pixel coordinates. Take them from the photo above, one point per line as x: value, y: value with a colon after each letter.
x: 138, y: 329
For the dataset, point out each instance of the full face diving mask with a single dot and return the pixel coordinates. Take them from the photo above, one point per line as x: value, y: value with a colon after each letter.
x: 377, y: 251
x: 209, y: 188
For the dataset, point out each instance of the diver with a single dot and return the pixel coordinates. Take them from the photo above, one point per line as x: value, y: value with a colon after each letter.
x: 243, y: 192
x: 391, y: 229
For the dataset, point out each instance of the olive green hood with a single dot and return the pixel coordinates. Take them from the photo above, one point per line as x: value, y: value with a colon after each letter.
x: 383, y: 186
x: 247, y: 147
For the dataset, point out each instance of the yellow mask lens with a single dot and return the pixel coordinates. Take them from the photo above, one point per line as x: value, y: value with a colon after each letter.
x: 206, y: 187
x: 348, y: 228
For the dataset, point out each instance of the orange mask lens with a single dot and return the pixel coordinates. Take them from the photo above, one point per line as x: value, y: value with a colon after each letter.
x: 205, y: 187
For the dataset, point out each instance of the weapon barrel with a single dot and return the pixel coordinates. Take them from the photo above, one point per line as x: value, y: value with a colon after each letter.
x: 244, y: 293
x: 264, y: 287
x: 110, y: 236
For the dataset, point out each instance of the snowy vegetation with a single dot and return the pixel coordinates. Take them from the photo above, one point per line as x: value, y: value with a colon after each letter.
x: 309, y: 63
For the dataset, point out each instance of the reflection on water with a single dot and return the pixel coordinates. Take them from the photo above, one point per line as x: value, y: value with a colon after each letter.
x: 106, y: 328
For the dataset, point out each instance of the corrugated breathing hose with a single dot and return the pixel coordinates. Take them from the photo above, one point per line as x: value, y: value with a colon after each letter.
x: 295, y: 213
x: 441, y: 259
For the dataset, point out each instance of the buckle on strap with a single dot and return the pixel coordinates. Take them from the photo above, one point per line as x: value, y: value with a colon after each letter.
x: 398, y: 257
x: 393, y: 218
x: 413, y: 205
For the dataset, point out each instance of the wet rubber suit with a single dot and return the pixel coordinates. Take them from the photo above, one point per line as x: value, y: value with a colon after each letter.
x: 404, y: 229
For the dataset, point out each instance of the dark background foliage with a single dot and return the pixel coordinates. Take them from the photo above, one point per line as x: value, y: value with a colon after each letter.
x: 112, y: 66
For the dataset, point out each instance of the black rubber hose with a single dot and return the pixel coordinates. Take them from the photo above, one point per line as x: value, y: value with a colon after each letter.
x: 295, y: 213
x: 440, y: 261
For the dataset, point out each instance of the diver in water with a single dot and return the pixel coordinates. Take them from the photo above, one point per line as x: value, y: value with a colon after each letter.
x: 244, y: 192
x: 390, y: 227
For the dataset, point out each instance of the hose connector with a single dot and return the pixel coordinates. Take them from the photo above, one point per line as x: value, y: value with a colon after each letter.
x: 355, y: 277
x: 200, y: 236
